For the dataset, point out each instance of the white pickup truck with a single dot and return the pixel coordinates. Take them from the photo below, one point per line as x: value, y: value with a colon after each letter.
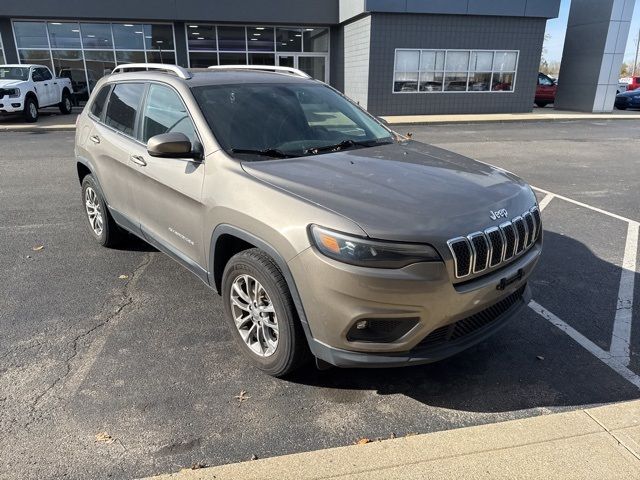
x: 26, y: 88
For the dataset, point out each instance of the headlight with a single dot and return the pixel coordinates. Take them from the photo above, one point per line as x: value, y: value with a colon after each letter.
x: 370, y: 253
x: 13, y: 92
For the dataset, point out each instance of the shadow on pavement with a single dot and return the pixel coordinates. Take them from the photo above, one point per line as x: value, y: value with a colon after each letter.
x: 527, y: 364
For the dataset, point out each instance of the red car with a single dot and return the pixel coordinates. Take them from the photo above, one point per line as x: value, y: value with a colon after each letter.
x: 634, y: 85
x: 545, y: 90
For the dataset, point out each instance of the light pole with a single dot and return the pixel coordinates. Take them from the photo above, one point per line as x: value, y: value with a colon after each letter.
x: 635, y: 59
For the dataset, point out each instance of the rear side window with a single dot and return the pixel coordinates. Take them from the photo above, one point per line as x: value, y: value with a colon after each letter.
x: 98, y: 103
x: 123, y: 105
x: 164, y: 112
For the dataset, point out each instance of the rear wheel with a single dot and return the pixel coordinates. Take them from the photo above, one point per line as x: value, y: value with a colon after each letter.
x: 65, y: 105
x: 102, y: 226
x: 30, y: 110
x: 261, y: 314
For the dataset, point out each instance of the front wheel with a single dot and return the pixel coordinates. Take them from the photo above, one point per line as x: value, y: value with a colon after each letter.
x: 541, y: 104
x: 30, y: 110
x: 65, y: 105
x: 261, y: 314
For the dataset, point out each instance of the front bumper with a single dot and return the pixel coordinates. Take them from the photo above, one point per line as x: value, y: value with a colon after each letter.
x: 335, y: 296
x: 11, y: 105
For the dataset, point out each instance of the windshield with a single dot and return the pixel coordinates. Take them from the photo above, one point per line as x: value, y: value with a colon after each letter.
x: 285, y: 120
x: 14, y: 73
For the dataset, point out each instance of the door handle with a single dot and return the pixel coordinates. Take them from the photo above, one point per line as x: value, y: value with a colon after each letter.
x: 138, y: 160
x: 46, y: 84
x: 94, y: 138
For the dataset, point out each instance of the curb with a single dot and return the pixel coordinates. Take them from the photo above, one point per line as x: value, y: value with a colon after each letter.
x: 34, y: 129
x: 601, y: 442
x: 470, y: 120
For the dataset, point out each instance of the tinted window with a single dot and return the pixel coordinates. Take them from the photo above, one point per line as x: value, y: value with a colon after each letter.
x: 164, y: 112
x: 123, y: 105
x: 44, y: 73
x: 98, y: 104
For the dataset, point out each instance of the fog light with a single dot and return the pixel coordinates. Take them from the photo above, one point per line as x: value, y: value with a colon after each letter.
x: 381, y: 330
x: 15, y: 105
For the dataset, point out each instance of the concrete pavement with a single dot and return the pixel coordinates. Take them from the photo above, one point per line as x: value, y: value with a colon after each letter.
x: 602, y: 443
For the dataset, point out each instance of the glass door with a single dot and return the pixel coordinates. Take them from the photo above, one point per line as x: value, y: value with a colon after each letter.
x: 313, y: 65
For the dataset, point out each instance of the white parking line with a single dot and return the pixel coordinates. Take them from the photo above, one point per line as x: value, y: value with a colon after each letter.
x: 596, y: 209
x: 545, y: 201
x: 606, y: 357
x: 621, y: 338
x: 619, y: 355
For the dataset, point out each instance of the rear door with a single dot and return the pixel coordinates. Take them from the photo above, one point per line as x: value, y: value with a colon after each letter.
x: 113, y: 143
x: 168, y: 191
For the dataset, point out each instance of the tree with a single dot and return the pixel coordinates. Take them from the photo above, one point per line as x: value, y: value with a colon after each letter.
x: 625, y: 70
x: 544, y: 63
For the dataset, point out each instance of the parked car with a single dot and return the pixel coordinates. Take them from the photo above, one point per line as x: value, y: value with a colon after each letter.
x: 545, y: 90
x: 629, y: 99
x: 634, y: 84
x: 27, y: 88
x: 325, y: 232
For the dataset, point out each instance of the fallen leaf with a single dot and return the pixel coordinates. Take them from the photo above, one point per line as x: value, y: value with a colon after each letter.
x: 198, y: 466
x: 254, y: 457
x: 28, y: 256
x: 123, y: 277
x: 37, y: 248
x: 393, y: 435
x: 363, y: 441
x: 242, y: 397
x: 540, y: 357
x: 104, y: 437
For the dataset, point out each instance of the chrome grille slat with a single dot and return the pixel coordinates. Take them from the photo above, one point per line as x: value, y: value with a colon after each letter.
x: 480, y: 251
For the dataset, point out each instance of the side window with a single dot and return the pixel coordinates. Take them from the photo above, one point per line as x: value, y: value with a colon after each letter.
x: 164, y: 112
x: 36, y: 75
x: 46, y: 74
x: 98, y: 103
x: 123, y: 105
x: 544, y: 80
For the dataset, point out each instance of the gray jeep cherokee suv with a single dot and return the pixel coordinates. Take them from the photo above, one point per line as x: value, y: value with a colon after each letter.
x: 324, y: 231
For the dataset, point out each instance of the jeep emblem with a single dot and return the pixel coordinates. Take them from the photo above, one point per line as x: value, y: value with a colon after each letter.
x: 502, y: 213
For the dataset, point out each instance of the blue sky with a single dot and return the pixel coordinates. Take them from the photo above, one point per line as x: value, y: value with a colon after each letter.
x: 558, y: 26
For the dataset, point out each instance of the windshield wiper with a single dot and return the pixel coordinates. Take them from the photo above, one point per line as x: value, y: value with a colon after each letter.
x: 346, y: 144
x: 267, y: 152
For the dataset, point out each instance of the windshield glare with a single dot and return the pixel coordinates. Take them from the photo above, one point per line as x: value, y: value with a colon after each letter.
x: 291, y: 119
x: 14, y: 73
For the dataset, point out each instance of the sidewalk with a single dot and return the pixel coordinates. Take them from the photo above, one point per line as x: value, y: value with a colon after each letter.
x: 601, y: 443
x: 50, y: 120
x: 538, y: 114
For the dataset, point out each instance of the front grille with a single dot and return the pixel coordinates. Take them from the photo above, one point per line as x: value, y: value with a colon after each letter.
x: 472, y: 324
x: 480, y: 251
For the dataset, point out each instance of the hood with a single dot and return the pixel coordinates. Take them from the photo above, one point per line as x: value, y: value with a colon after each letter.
x: 8, y: 83
x: 405, y: 192
x: 630, y: 93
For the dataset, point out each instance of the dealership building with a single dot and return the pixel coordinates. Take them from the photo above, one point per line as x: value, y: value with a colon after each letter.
x: 395, y: 57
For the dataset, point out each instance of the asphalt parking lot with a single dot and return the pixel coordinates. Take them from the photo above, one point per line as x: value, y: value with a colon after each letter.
x: 128, y: 343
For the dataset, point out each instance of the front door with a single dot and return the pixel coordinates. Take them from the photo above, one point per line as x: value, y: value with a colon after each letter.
x: 44, y: 86
x: 313, y: 65
x: 168, y: 191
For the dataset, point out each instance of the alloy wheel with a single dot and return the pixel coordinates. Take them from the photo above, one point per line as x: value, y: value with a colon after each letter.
x: 254, y: 315
x: 94, y: 210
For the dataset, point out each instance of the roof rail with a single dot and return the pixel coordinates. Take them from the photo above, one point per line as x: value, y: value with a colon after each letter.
x: 179, y: 71
x: 268, y: 68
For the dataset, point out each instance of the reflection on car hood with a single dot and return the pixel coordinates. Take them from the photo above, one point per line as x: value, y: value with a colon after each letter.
x: 6, y: 83
x: 407, y: 192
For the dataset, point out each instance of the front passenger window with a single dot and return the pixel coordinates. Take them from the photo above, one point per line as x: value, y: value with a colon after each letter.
x: 164, y: 112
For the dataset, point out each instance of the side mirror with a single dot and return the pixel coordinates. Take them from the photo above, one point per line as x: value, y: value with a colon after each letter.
x: 172, y: 145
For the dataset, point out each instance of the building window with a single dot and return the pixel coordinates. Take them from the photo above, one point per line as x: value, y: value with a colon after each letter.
x: 2, y: 58
x: 454, y: 70
x: 85, y: 52
x: 304, y: 48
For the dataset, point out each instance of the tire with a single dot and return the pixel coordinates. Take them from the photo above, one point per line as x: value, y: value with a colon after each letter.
x: 109, y: 234
x: 621, y: 108
x: 291, y: 351
x: 30, y: 110
x: 541, y: 104
x: 65, y: 105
